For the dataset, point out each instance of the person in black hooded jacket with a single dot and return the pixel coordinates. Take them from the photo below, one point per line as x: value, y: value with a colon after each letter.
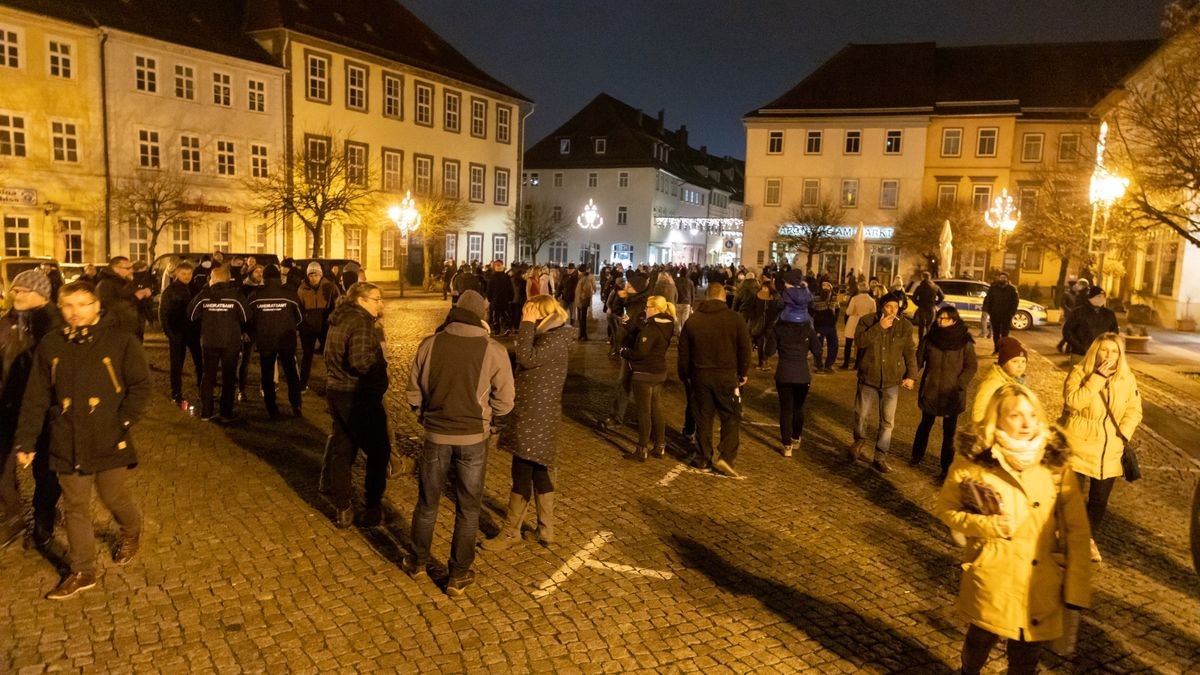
x: 948, y: 363
x: 274, y: 317
x: 646, y: 351
x: 222, y: 316
x: 182, y: 335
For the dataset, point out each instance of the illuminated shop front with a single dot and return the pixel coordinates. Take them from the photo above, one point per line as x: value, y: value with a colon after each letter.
x: 882, y: 258
x: 704, y: 241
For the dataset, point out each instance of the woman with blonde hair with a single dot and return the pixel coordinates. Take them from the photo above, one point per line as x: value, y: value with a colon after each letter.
x: 645, y: 350
x: 1012, y: 494
x: 1102, y: 409
x: 542, y: 348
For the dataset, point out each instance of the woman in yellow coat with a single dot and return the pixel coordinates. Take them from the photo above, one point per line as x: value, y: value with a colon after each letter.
x: 1026, y: 558
x: 1103, y: 408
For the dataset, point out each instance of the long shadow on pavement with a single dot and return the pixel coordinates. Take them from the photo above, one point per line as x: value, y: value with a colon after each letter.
x: 1129, y: 545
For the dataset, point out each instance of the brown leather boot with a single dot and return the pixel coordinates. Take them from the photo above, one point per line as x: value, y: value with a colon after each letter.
x: 545, y: 519
x: 510, y: 531
x: 127, y: 547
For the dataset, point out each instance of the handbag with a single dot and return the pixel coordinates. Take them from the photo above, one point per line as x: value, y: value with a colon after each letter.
x: 1129, y: 459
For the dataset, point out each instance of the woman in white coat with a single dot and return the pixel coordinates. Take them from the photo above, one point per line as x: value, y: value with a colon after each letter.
x: 862, y: 304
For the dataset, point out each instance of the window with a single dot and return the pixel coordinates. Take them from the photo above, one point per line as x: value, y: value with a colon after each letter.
x: 146, y: 74
x: 813, y: 145
x: 558, y: 252
x: 424, y: 104
x: 185, y: 82
x: 952, y: 142
x: 226, y: 160
x: 556, y: 214
x: 189, y: 154
x: 354, y: 243
x: 593, y: 180
x: 450, y: 178
x: 258, y: 161
x: 393, y: 170
x: 222, y: 90
x: 503, y: 124
x: 810, y: 195
x: 1031, y: 147
x: 452, y: 246
x: 1031, y: 258
x: 1027, y: 201
x: 985, y: 142
x: 524, y: 250
x: 260, y: 237
x: 222, y: 232
x: 476, y: 177
x: 564, y: 146
x: 317, y: 75
x: 422, y: 174
x: 72, y: 229
x: 600, y: 145
x: 316, y: 151
x: 474, y: 246
x: 356, y: 87
x: 389, y: 241
x: 452, y: 110
x: 532, y: 179
x: 10, y: 48
x: 65, y: 139
x: 850, y: 193
x: 148, y: 149
x: 947, y: 195
x: 393, y: 96
x: 1168, y: 266
x: 892, y: 142
x: 60, y: 59
x: 775, y: 143
x: 622, y: 215
x: 256, y: 95
x: 1068, y: 147
x: 889, y: 194
x: 853, y: 143
x: 139, y: 240
x: 181, y: 236
x: 501, y: 179
x: 623, y: 179
x: 981, y: 197
x: 479, y: 117
x: 356, y: 163
x: 558, y: 178
x: 12, y: 135
x: 500, y: 247
x: 17, y: 233
x: 773, y: 196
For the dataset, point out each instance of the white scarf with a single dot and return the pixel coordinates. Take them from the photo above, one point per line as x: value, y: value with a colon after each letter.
x: 1021, y: 454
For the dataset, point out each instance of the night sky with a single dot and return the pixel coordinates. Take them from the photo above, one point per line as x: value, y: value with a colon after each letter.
x: 708, y: 62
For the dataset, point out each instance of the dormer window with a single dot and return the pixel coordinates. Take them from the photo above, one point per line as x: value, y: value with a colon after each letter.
x: 564, y: 146
x: 600, y: 145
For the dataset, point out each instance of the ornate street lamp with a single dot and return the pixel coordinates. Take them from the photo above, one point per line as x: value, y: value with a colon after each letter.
x: 590, y: 220
x: 1002, y: 217
x: 1105, y: 188
x: 407, y: 220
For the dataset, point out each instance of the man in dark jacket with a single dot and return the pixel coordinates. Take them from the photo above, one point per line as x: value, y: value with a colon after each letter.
x: 1001, y: 306
x: 714, y: 358
x: 633, y: 302
x: 685, y: 297
x: 183, y: 336
x: 90, y: 413
x: 889, y: 362
x: 461, y: 380
x: 1088, y: 320
x: 317, y: 295
x: 33, y: 317
x: 500, y: 295
x: 222, y: 318
x: 120, y: 296
x: 927, y: 297
x: 566, y: 290
x: 356, y: 380
x: 274, y: 315
x: 824, y: 311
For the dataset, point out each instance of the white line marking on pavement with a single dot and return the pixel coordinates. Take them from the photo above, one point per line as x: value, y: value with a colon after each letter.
x: 672, y: 475
x: 761, y: 424
x: 572, y: 564
x: 629, y: 569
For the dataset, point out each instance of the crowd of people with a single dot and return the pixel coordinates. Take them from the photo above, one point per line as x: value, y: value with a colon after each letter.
x: 1015, y: 486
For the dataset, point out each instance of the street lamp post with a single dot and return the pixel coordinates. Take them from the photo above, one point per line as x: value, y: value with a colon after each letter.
x: 590, y: 220
x: 407, y: 219
x: 1105, y: 188
x: 1003, y: 218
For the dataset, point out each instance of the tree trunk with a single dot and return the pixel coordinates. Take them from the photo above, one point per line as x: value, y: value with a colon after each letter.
x: 427, y: 244
x: 152, y: 246
x: 317, y: 231
x: 1060, y: 289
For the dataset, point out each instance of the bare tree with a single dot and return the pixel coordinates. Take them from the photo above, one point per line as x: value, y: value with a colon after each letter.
x: 322, y: 184
x: 440, y: 216
x: 920, y: 229
x: 1057, y: 220
x: 155, y: 200
x: 811, y: 230
x: 1154, y: 139
x: 536, y: 225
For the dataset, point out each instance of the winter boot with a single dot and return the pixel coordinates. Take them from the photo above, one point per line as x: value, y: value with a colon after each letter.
x: 545, y: 519
x: 510, y: 531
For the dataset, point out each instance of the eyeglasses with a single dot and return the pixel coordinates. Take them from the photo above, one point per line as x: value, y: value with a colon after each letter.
x: 945, y: 319
x: 378, y: 298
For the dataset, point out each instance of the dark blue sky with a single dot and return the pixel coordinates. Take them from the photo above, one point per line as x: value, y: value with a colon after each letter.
x: 707, y: 62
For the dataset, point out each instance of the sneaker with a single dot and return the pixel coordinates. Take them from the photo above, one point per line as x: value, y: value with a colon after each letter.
x: 787, y: 450
x: 660, y: 452
x: 344, y: 518
x: 73, y: 584
x: 640, y: 454
x: 723, y: 468
x: 127, y: 547
x: 881, y: 465
x: 414, y: 571
x: 458, y: 584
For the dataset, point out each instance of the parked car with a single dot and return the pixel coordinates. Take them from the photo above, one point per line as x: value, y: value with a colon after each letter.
x: 11, y: 267
x: 967, y: 295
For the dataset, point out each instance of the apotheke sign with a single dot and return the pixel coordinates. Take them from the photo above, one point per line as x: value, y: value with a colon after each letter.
x: 18, y: 196
x: 840, y: 232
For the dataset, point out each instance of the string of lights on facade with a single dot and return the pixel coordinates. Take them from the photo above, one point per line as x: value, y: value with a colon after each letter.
x: 707, y: 225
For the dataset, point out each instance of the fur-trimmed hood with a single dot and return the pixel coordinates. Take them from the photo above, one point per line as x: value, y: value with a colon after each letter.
x: 1057, y: 454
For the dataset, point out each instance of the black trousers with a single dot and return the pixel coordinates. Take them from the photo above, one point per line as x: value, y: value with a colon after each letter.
x: 791, y: 410
x: 225, y: 358
x: 714, y: 397
x: 648, y: 396
x: 921, y: 440
x: 529, y: 477
x: 1023, y: 657
x: 581, y: 317
x: 178, y: 349
x: 1098, y: 492
x: 287, y: 365
x: 1001, y: 325
x: 359, y: 423
x: 244, y: 366
x: 308, y: 347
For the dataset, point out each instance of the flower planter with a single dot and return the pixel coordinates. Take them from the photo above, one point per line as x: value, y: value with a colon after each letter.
x: 1137, y: 344
x: 1186, y: 325
x: 1054, y: 316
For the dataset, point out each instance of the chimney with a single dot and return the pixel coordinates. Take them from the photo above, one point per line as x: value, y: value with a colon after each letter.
x: 682, y: 134
x: 662, y: 114
x: 704, y: 149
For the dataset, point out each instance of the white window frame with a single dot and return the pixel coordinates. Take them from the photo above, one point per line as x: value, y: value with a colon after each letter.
x: 951, y: 135
x: 14, y: 135
x: 477, y: 188
x: 479, y: 108
x: 888, y: 136
x: 149, y: 149
x: 503, y: 124
x: 392, y: 172
x: 139, y: 239
x: 622, y: 215
x: 222, y: 235
x: 814, y: 140
x: 500, y: 186
x: 600, y: 145
x: 776, y: 185
x: 556, y: 214
x: 73, y: 242
x: 1074, y: 154
x: 353, y: 239
x: 623, y: 179
x: 474, y: 246
x: 810, y: 192
x: 775, y: 142
x: 185, y: 82
x: 855, y: 135
x: 18, y: 235
x: 316, y: 84
x: 593, y: 179
x: 145, y: 73
x: 62, y: 60
x: 558, y: 251
x: 849, y: 194
x: 452, y: 114
x: 393, y: 96
x: 451, y: 170
x: 222, y: 89
x: 260, y: 239
x: 12, y: 40
x: 564, y: 146
x: 189, y: 154
x: 451, y: 246
x: 991, y: 132
x: 357, y: 162
x: 226, y: 157
x: 984, y: 189
x: 259, y: 163
x: 422, y: 175
x: 181, y: 236
x: 256, y: 95
x: 64, y: 146
x: 558, y: 179
x: 500, y: 252
x: 947, y: 195
x: 423, y: 113
x: 1034, y: 141
x: 358, y: 78
x: 892, y: 185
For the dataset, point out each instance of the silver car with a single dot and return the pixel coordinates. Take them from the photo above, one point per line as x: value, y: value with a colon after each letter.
x: 968, y: 295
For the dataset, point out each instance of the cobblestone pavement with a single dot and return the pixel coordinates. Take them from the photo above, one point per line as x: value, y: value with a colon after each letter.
x: 809, y: 564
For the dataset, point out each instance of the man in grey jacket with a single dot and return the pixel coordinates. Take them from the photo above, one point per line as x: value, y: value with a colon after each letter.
x: 461, y: 380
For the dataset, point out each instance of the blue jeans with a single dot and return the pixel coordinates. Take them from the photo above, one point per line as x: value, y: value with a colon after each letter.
x: 869, y: 401
x: 827, y: 335
x: 470, y: 467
